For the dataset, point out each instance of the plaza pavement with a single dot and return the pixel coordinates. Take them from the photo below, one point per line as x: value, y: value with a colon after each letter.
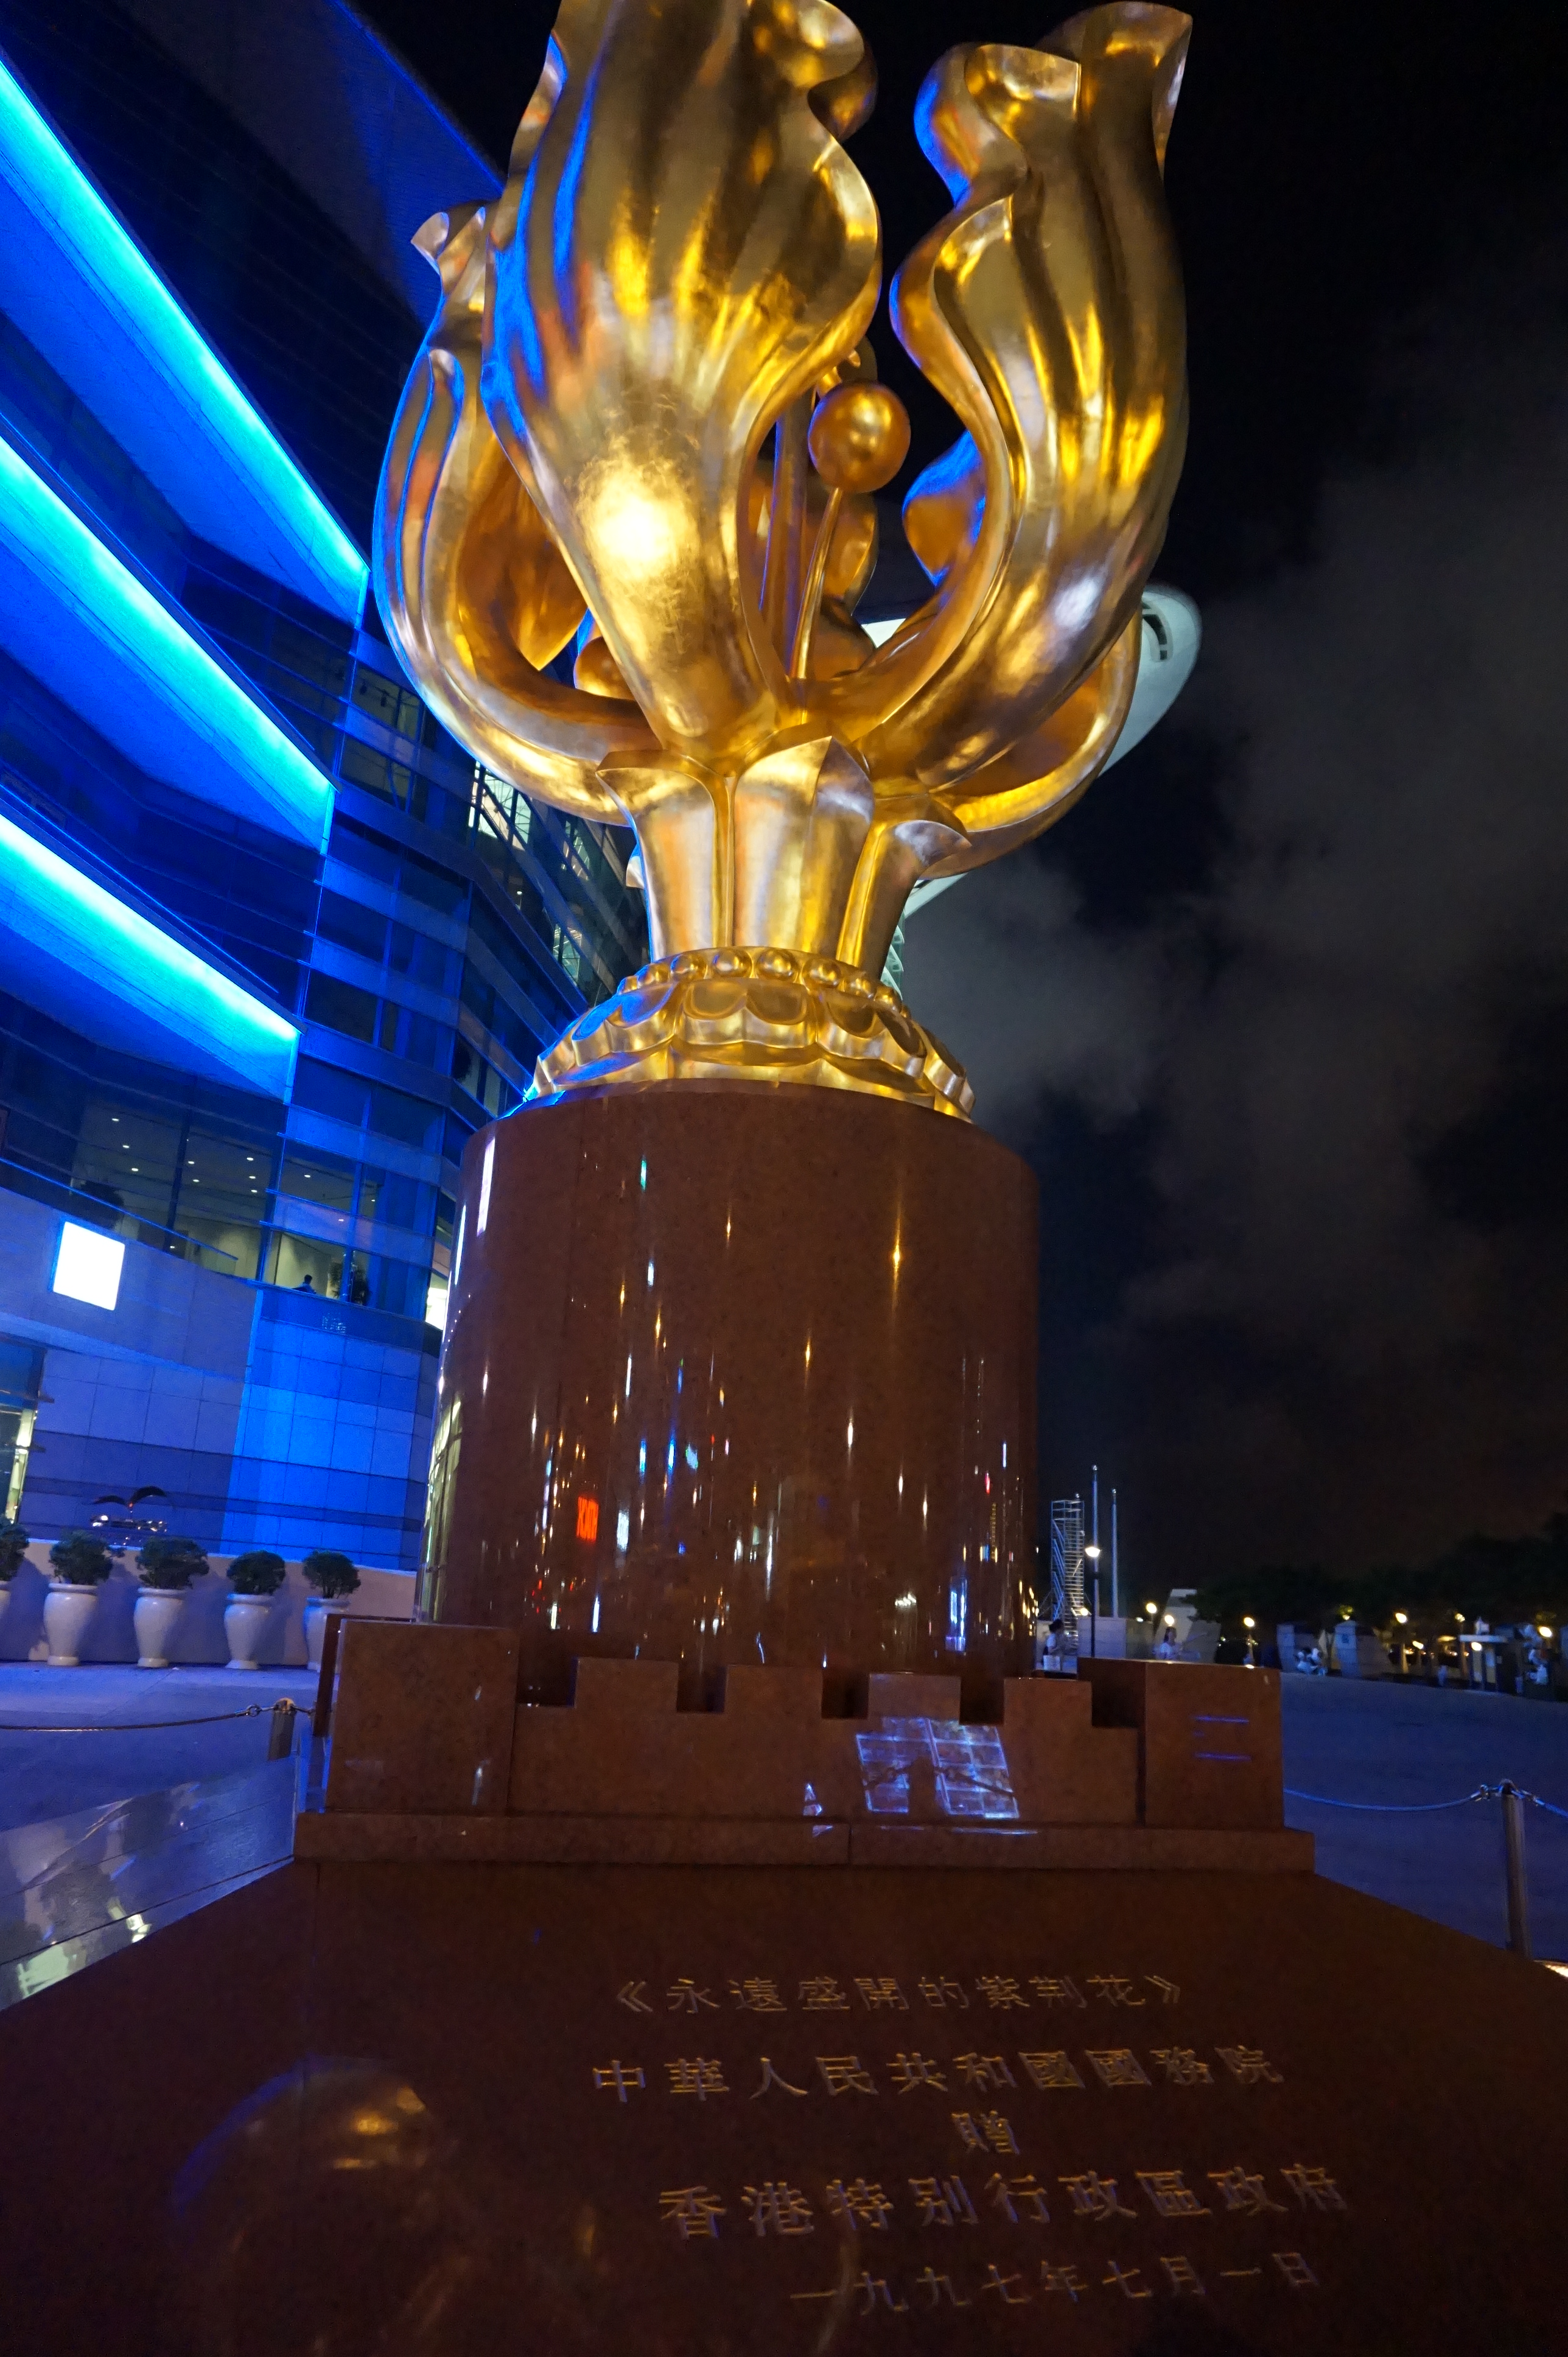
x: 1372, y: 1740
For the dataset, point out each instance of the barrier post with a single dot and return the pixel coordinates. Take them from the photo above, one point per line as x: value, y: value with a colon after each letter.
x: 1512, y: 1800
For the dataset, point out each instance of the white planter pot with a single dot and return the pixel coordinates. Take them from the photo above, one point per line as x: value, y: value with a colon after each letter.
x: 67, y: 1609
x: 244, y: 1618
x: 156, y: 1616
x: 315, y: 1610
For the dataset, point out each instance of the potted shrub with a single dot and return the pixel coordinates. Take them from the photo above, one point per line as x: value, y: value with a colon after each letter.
x: 254, y: 1581
x: 80, y: 1564
x: 12, y: 1554
x: 167, y: 1566
x: 332, y: 1576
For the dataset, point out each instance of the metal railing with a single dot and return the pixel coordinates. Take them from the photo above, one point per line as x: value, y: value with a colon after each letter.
x: 1513, y: 1798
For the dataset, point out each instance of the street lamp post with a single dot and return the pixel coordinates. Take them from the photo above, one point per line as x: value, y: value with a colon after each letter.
x: 1092, y: 1552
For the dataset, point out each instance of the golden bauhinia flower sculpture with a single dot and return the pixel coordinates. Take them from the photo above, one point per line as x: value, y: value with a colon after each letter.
x: 646, y: 417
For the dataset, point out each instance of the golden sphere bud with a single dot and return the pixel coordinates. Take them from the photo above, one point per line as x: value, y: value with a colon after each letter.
x: 860, y: 437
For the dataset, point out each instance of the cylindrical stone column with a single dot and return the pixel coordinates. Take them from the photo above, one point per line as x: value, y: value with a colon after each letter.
x: 739, y: 1374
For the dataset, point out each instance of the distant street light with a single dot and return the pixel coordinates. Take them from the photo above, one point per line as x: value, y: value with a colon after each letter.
x: 1401, y: 1618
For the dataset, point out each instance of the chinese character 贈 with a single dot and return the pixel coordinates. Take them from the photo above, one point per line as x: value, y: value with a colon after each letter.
x: 990, y: 2129
x: 619, y: 2076
x: 1050, y: 2069
x: 693, y: 2209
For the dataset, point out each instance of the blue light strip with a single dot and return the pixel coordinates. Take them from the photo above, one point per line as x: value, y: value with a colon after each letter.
x: 73, y: 948
x: 81, y: 623
x: 81, y: 290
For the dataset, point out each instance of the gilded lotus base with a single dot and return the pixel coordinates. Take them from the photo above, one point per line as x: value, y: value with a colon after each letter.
x: 754, y: 1015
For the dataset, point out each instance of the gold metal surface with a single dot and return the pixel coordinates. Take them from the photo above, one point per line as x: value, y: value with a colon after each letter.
x: 646, y: 399
x: 757, y: 1014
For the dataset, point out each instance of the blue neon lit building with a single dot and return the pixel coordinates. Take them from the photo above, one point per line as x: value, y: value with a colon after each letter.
x: 269, y: 947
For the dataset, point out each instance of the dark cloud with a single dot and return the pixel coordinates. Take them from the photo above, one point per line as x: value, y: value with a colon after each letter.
x: 1329, y: 1324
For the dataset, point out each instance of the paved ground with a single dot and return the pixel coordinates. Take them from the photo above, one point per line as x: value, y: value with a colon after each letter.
x: 44, y: 1776
x: 1354, y: 1739
x: 1345, y: 1739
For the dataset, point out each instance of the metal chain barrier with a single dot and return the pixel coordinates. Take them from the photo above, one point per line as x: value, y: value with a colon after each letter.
x: 136, y: 1726
x: 1512, y: 1796
x: 1391, y: 1808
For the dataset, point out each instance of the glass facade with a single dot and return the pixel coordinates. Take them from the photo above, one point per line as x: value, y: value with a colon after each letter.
x: 449, y: 929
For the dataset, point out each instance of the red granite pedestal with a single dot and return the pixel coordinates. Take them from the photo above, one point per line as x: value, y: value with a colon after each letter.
x: 738, y: 1374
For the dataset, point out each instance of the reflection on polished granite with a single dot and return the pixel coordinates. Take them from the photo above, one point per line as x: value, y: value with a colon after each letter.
x: 425, y: 2111
x: 79, y: 1889
x: 769, y: 1399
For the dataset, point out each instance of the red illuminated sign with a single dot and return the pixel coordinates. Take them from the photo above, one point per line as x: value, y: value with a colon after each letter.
x: 587, y: 1518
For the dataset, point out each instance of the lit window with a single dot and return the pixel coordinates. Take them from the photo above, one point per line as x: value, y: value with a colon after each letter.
x: 87, y: 1265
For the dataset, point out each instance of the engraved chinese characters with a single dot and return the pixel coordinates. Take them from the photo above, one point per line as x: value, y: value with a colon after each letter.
x: 645, y: 418
x: 1023, y: 2173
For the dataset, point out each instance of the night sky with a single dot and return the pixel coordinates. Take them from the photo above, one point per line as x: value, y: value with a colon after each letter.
x: 1280, y: 1014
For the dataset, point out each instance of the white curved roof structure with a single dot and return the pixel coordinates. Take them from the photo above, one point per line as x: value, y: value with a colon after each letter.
x: 1172, y: 636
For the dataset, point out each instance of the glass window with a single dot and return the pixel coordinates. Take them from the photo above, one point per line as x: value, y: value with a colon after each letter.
x: 352, y: 927
x: 323, y: 1179
x: 342, y: 1096
x: 408, y: 1119
x: 340, y: 1006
